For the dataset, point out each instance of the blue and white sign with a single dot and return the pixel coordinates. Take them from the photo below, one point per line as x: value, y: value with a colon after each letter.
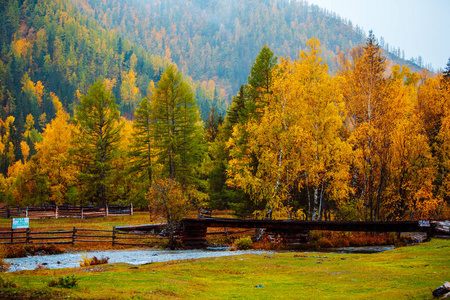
x: 20, y: 223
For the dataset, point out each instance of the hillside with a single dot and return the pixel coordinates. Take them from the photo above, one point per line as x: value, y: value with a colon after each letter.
x: 49, y: 48
x: 219, y: 39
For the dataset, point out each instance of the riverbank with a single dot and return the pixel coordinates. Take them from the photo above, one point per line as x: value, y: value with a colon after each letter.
x: 411, y: 272
x: 132, y: 257
x: 142, y: 257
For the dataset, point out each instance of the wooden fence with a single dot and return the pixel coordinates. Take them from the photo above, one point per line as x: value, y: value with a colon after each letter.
x: 64, y: 211
x: 79, y: 235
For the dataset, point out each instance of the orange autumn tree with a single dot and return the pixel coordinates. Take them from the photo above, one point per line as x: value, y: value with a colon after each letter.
x: 434, y: 108
x: 410, y: 170
x: 297, y: 140
x: 364, y: 89
x: 53, y: 156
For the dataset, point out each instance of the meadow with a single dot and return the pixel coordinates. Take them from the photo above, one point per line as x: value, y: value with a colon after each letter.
x: 411, y: 272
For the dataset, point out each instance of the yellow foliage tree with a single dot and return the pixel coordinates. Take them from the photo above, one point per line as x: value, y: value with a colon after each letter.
x: 34, y: 90
x: 129, y: 92
x: 297, y: 139
x: 53, y: 156
x: 166, y: 196
x: 364, y: 88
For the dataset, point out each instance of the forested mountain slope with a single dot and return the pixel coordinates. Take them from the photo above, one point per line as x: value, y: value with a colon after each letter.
x: 48, y: 48
x: 218, y: 39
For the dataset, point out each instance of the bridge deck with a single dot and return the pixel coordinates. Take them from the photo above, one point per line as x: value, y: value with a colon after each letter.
x: 394, y: 226
x: 194, y: 230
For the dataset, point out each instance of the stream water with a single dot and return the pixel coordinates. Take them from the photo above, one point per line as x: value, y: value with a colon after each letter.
x: 134, y: 257
x: 141, y: 257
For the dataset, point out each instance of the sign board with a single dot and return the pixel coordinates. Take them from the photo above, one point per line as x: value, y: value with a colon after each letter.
x: 20, y: 223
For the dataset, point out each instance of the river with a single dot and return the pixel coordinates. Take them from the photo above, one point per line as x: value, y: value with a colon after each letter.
x: 141, y: 257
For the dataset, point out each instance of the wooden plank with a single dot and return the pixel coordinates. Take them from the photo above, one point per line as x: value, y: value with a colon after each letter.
x: 394, y: 226
x: 95, y: 236
x: 50, y: 238
x: 51, y: 232
x: 146, y: 227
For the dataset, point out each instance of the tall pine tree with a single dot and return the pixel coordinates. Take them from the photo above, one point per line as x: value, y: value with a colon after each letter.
x: 97, y: 122
x: 143, y: 149
x: 177, y: 128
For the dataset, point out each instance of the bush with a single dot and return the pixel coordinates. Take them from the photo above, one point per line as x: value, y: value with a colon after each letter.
x: 3, y: 266
x: 16, y: 251
x: 87, y: 261
x: 244, y: 243
x: 6, y: 284
x: 325, y: 242
x: 67, y: 282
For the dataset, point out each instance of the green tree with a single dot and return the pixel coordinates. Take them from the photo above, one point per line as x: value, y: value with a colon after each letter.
x: 143, y: 144
x: 178, y: 130
x: 98, y: 126
x: 261, y: 77
x: 213, y: 122
x: 446, y: 72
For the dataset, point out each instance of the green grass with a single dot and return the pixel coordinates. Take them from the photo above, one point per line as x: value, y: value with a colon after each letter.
x: 404, y: 273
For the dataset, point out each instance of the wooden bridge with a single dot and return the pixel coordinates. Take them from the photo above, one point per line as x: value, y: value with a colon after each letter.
x: 193, y: 231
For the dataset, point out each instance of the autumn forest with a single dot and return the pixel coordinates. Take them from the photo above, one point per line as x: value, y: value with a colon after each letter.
x: 172, y: 105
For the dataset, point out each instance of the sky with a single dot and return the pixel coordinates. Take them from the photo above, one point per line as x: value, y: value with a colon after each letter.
x: 418, y: 27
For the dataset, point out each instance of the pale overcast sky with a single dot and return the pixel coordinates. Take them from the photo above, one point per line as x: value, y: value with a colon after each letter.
x: 419, y: 27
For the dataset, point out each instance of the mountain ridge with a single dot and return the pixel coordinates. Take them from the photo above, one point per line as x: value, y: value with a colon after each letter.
x: 219, y: 40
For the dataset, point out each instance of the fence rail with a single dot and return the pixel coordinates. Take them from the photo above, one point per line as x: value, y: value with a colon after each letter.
x: 64, y: 211
x: 78, y: 235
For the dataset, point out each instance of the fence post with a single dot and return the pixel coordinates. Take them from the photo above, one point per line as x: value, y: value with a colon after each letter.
x: 12, y: 231
x: 226, y: 228
x: 82, y: 212
x: 8, y: 214
x: 114, y: 235
x: 26, y: 212
x: 73, y: 235
x: 131, y: 208
x: 56, y: 211
x: 28, y: 236
x: 106, y: 210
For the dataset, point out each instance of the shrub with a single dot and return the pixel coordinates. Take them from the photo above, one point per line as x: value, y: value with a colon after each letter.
x: 67, y: 282
x: 244, y: 243
x: 15, y: 251
x: 6, y: 284
x: 325, y: 242
x: 88, y: 261
x: 3, y: 266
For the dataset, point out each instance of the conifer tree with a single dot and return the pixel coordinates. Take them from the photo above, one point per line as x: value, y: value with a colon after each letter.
x: 143, y: 149
x: 177, y: 127
x: 260, y: 79
x: 446, y: 72
x: 97, y: 122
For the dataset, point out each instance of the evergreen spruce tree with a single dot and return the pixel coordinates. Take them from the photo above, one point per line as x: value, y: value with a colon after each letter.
x: 246, y: 105
x: 143, y: 151
x: 97, y: 122
x: 177, y: 129
x: 446, y: 72
x: 260, y: 79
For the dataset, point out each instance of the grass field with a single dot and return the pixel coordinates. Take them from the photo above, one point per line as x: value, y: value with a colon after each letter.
x: 404, y: 273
